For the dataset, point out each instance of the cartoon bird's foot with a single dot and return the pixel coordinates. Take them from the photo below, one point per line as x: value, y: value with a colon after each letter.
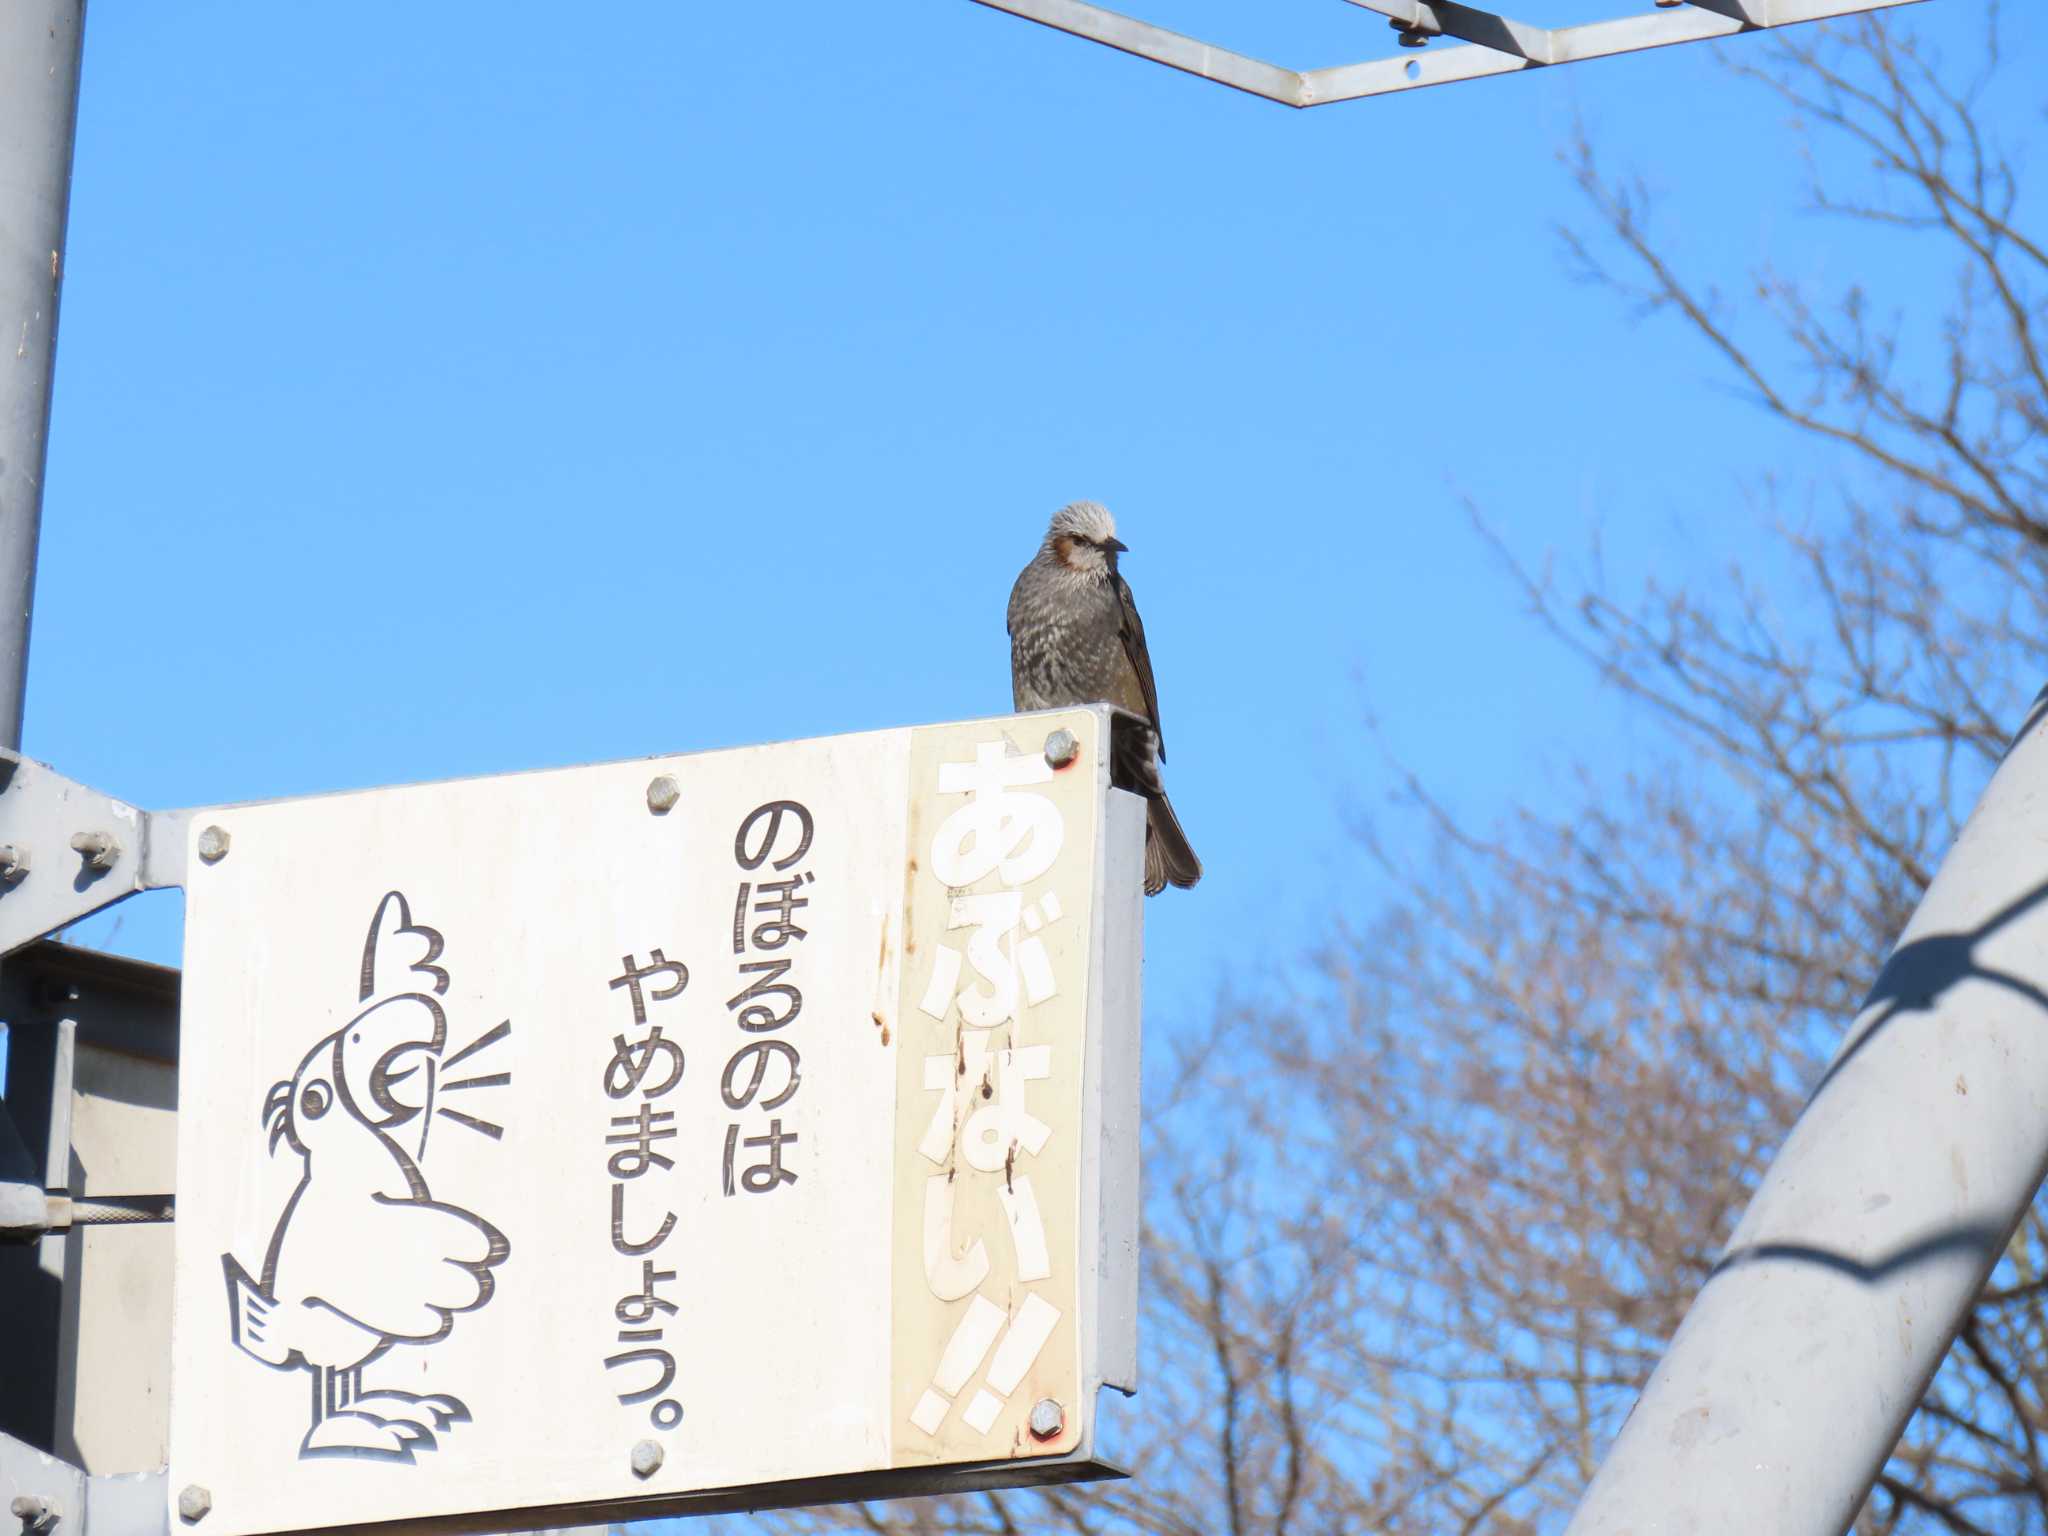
x: 366, y: 1436
x: 444, y: 1410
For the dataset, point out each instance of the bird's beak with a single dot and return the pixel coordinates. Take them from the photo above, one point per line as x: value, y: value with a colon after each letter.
x: 383, y: 1051
x: 1116, y: 546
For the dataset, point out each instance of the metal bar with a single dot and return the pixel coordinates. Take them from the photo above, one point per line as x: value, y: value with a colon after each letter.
x: 41, y: 1065
x: 110, y: 1210
x: 62, y: 1256
x: 1793, y: 1375
x: 1432, y: 66
x: 1172, y: 49
x: 40, y: 42
x: 1449, y: 19
x: 1755, y: 13
x: 1658, y: 29
x: 1494, y: 45
x: 1569, y: 45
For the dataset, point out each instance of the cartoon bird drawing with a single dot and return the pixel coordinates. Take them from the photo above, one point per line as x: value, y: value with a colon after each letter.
x: 363, y: 1259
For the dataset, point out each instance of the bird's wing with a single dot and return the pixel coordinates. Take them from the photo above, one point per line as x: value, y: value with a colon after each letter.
x: 1133, y: 630
x: 413, y: 1263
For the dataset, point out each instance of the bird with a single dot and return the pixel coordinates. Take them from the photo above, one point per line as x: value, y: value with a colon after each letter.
x: 363, y: 1258
x: 1076, y: 638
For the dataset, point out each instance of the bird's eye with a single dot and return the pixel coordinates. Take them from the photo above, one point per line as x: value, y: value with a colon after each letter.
x: 314, y: 1101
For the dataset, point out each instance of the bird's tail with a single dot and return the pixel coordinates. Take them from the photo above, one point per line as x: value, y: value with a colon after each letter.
x: 249, y: 1316
x: 1134, y: 765
x: 1168, y: 858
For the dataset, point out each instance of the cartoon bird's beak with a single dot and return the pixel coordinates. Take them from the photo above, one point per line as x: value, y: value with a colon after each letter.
x: 1116, y: 546
x: 387, y: 1058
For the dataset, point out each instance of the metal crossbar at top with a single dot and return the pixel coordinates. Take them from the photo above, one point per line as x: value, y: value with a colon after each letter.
x: 1489, y: 44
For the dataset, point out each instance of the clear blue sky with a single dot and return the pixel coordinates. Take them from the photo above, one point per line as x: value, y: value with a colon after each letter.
x: 676, y: 376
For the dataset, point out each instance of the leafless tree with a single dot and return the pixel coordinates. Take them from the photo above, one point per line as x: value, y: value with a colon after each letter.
x: 1419, y: 1228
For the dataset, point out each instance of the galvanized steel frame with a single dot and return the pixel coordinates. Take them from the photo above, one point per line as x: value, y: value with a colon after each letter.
x: 1491, y: 44
x: 50, y: 1497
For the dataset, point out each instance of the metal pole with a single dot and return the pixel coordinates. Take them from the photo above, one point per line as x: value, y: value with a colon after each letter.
x: 1792, y: 1377
x: 39, y: 53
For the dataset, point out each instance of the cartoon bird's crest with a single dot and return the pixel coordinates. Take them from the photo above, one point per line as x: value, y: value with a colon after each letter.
x: 385, y: 946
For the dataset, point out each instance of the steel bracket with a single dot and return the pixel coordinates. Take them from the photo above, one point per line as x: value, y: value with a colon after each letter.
x: 67, y: 850
x: 51, y: 1497
x: 1491, y: 44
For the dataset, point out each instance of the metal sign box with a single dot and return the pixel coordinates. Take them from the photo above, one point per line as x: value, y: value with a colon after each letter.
x: 721, y: 1131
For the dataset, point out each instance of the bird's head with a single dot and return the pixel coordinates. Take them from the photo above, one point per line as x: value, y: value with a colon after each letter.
x: 1082, y: 540
x: 377, y: 1070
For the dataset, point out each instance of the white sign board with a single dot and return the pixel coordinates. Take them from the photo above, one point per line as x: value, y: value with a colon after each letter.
x: 586, y: 1143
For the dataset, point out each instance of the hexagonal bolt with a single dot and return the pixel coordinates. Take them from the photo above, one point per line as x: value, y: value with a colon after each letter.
x: 213, y: 844
x: 36, y: 1513
x: 100, y: 849
x: 1061, y: 747
x: 647, y: 1459
x: 1048, y: 1419
x: 13, y: 863
x: 194, y: 1502
x: 662, y: 794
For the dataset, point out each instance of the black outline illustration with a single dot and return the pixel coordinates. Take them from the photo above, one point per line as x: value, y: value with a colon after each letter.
x: 412, y: 1262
